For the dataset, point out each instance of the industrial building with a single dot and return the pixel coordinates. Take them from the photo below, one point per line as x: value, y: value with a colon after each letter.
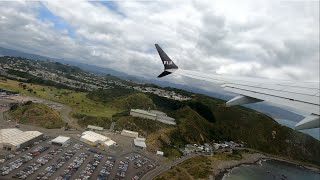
x: 94, y: 128
x: 128, y: 133
x: 153, y: 115
x: 95, y: 139
x: 14, y: 139
x: 140, y: 143
x: 61, y: 140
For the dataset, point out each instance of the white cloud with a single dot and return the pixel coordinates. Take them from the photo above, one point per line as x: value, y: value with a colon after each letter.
x: 269, y: 39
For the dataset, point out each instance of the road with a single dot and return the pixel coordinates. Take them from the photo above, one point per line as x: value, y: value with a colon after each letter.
x: 162, y: 168
x: 112, y: 126
x: 64, y: 111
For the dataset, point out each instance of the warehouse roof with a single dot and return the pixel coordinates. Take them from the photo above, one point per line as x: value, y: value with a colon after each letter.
x: 95, y: 127
x: 133, y: 133
x: 97, y: 138
x: 109, y: 142
x: 16, y: 137
x: 60, y: 139
x: 93, y: 137
x: 142, y: 112
x: 140, y: 142
x: 7, y: 133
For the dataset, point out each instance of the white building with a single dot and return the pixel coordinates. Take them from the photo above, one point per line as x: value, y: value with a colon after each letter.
x: 95, y: 139
x: 61, y: 140
x: 128, y: 133
x: 153, y: 115
x: 160, y: 153
x: 13, y: 139
x: 97, y: 128
x: 140, y: 143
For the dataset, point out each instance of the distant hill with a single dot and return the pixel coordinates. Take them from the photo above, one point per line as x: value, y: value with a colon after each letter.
x: 86, y: 67
x: 275, y: 112
x: 15, y: 53
x: 199, y: 120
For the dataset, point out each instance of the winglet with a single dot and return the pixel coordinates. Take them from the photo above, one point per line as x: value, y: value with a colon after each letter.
x: 169, y: 66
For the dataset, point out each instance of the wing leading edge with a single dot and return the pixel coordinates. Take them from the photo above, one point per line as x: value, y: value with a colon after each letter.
x: 303, y: 96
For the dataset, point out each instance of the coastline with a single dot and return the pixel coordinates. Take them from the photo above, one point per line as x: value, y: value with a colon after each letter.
x: 316, y: 169
x: 223, y: 167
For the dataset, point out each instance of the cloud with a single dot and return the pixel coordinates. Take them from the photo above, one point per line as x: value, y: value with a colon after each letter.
x: 268, y: 39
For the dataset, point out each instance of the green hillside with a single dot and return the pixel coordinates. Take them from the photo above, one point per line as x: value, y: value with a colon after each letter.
x: 84, y: 120
x: 204, y: 119
x: 36, y: 114
x: 199, y: 120
x: 132, y: 101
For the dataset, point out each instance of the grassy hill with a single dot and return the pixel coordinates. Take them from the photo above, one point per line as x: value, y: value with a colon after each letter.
x: 85, y: 120
x: 199, y: 120
x: 132, y: 101
x: 36, y: 114
x: 204, y: 119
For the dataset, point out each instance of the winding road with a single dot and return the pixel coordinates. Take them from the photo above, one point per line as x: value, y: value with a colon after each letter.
x: 164, y: 167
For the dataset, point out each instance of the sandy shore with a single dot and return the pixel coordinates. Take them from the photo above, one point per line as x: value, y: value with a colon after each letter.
x: 221, y: 167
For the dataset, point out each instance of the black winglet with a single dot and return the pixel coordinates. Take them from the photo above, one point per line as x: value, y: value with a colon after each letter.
x: 168, y: 64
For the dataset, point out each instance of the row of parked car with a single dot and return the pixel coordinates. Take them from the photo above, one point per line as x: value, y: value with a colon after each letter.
x: 48, y: 172
x: 5, y: 170
x: 73, y: 167
x: 141, y: 162
x: 122, y: 169
x: 26, y: 172
x: 106, y: 169
x: 91, y: 166
x: 132, y: 157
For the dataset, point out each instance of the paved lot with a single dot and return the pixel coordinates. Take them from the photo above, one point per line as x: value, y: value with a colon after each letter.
x: 138, y: 163
x: 122, y: 160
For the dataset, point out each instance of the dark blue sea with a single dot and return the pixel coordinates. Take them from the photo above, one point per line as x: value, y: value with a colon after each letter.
x: 271, y: 170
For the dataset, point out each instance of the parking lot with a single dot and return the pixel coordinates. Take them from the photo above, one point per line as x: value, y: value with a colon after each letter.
x: 78, y: 161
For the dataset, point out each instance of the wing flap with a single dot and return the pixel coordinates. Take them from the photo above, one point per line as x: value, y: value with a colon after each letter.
x: 303, y: 96
x: 282, y: 93
x: 303, y: 106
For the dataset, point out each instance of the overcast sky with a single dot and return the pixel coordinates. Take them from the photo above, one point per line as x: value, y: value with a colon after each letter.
x: 272, y: 39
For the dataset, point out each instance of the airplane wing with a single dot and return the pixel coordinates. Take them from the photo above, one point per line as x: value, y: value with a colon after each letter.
x: 303, y: 96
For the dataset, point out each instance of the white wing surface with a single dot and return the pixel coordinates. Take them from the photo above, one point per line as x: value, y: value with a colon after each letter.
x: 303, y: 96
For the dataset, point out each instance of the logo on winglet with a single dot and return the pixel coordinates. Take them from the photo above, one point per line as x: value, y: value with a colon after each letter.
x: 167, y: 62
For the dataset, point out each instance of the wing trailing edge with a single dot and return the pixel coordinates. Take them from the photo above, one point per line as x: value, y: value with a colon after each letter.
x: 301, y: 96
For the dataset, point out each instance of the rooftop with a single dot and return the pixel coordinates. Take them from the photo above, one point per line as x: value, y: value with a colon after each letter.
x: 60, y: 139
x: 140, y: 142
x: 97, y: 138
x: 16, y: 137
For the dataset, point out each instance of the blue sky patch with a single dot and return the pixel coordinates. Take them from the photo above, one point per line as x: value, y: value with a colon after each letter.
x: 111, y: 5
x: 45, y: 14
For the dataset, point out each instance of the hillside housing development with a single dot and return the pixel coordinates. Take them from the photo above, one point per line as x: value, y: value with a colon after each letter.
x: 13, y: 139
x: 153, y: 115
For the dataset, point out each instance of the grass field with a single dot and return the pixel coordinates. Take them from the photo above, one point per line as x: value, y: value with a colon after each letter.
x: 199, y: 167
x: 76, y: 100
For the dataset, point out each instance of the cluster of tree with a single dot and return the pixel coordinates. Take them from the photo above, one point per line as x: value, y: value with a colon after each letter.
x: 85, y: 120
x: 108, y: 95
